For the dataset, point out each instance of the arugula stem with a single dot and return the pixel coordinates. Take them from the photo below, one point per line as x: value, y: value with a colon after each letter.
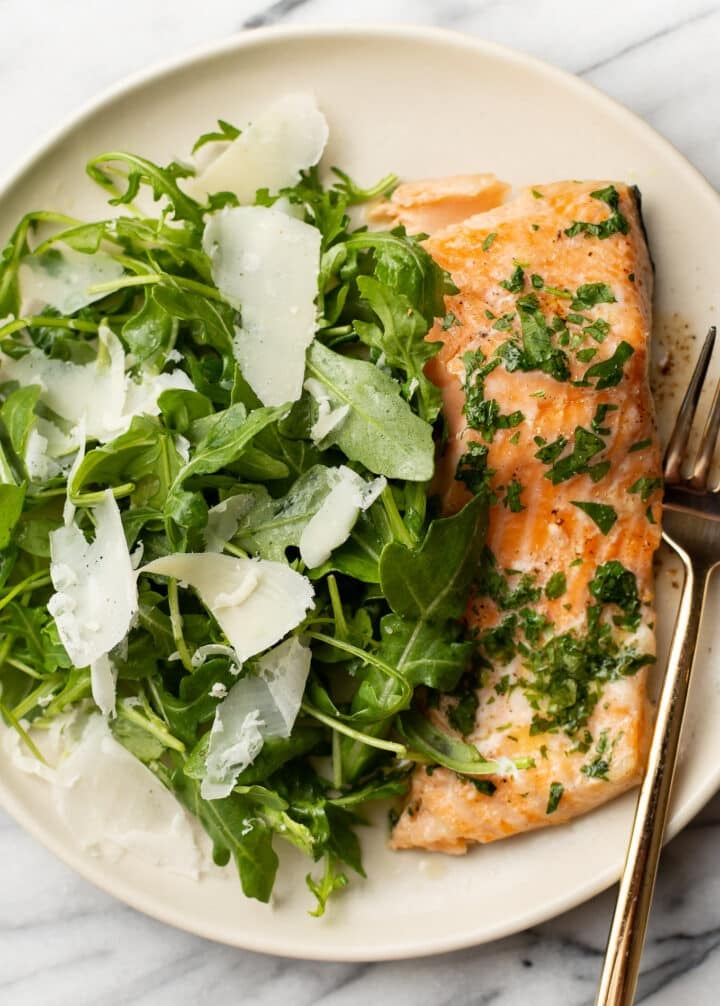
x: 32, y: 582
x: 337, y: 772
x: 399, y: 530
x: 368, y: 658
x: 338, y: 614
x: 25, y: 668
x: 89, y: 499
x: 152, y: 278
x: 234, y: 550
x: 156, y: 729
x: 31, y: 700
x: 81, y: 689
x: 48, y: 321
x: 24, y: 735
x: 374, y: 742
x: 5, y: 648
x: 177, y: 625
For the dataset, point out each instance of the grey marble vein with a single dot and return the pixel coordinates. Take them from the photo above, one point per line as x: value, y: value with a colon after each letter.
x: 64, y: 942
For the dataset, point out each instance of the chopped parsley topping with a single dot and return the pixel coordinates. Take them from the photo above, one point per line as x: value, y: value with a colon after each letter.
x: 515, y: 438
x: 645, y: 487
x: 486, y: 786
x: 535, y: 227
x: 616, y: 223
x: 650, y: 515
x: 556, y: 792
x: 557, y: 292
x: 484, y: 414
x: 491, y: 583
x: 504, y: 323
x: 472, y: 470
x: 537, y: 281
x: 586, y: 445
x: 640, y: 445
x: 516, y: 282
x: 461, y: 713
x: 614, y: 584
x: 548, y: 453
x: 599, y: 418
x: 590, y: 294
x: 489, y: 314
x: 537, y: 352
x: 598, y: 330
x: 609, y: 373
x: 449, y: 321
x: 556, y: 586
x: 486, y: 418
x: 512, y: 497
x: 599, y: 767
x: 538, y: 195
x: 603, y: 514
x: 499, y: 643
x: 487, y: 243
x: 586, y: 355
x: 569, y: 673
x: 576, y: 319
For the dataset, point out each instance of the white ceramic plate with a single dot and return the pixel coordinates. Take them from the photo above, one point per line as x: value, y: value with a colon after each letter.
x: 417, y: 102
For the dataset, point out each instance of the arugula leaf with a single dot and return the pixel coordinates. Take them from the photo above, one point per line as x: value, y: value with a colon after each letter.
x: 440, y: 748
x: 18, y: 415
x: 401, y: 337
x: 140, y: 171
x: 149, y: 330
x: 221, y: 438
x: 270, y: 525
x: 401, y: 263
x: 11, y: 506
x: 428, y: 653
x: 236, y: 829
x: 225, y: 133
x: 380, y: 431
x: 432, y: 581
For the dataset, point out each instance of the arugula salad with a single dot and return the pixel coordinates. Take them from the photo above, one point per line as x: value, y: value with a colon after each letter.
x: 216, y: 445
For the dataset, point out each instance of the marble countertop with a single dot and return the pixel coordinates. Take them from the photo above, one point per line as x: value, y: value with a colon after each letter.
x: 61, y: 940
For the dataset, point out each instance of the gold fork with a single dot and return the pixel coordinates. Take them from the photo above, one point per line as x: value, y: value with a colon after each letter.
x: 691, y: 527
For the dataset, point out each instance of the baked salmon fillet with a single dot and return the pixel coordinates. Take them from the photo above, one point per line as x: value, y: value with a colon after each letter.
x: 544, y: 377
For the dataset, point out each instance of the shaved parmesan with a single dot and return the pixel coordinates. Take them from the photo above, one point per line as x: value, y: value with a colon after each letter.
x: 60, y: 279
x: 103, y: 677
x: 100, y: 393
x: 331, y: 525
x: 256, y: 602
x: 224, y: 518
x: 270, y: 152
x: 256, y: 708
x: 96, y: 591
x: 328, y: 418
x: 266, y: 264
x: 113, y: 804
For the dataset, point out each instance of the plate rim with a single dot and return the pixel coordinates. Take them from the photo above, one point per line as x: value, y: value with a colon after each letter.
x: 90, y: 869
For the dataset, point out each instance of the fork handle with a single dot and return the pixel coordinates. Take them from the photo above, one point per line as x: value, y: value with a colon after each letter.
x: 627, y: 934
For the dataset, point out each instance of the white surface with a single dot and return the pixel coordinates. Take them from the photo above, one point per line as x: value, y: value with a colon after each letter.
x: 673, y: 79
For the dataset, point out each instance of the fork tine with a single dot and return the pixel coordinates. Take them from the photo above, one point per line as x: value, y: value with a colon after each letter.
x: 683, y: 424
x: 699, y: 477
